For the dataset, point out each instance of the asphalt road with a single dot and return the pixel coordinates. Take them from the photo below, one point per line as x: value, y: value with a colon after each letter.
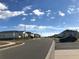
x: 69, y: 45
x: 32, y: 49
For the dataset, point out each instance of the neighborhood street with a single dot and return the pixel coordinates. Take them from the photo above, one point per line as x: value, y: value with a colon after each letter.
x: 32, y: 49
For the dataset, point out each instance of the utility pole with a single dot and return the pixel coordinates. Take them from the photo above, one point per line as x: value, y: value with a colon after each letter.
x: 14, y: 35
x: 24, y: 33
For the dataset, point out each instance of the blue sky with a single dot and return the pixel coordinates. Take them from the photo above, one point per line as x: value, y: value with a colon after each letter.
x: 45, y: 17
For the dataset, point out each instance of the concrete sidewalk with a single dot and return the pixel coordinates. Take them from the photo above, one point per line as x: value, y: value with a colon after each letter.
x: 67, y: 54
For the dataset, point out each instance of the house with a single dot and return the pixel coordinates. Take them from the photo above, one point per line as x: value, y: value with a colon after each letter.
x: 15, y: 35
x: 37, y: 36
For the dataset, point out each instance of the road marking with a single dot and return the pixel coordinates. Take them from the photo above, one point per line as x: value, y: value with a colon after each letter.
x: 50, y: 54
x: 9, y: 43
x: 11, y: 47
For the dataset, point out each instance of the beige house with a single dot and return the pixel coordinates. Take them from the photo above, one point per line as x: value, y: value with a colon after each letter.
x: 15, y: 34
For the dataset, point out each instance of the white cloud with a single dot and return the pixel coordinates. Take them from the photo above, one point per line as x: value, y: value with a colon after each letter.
x: 42, y: 30
x: 48, y: 14
x: 52, y: 17
x: 44, y: 27
x: 2, y: 27
x: 73, y: 9
x: 24, y: 18
x: 5, y: 13
x: 5, y: 27
x: 23, y: 27
x: 48, y: 11
x: 36, y: 27
x: 2, y: 6
x: 30, y: 13
x: 45, y: 34
x: 73, y: 28
x: 74, y: 1
x: 61, y: 13
x: 69, y: 12
x: 64, y: 23
x: 33, y: 20
x: 70, y: 28
x: 27, y: 8
x: 24, y: 14
x: 38, y: 12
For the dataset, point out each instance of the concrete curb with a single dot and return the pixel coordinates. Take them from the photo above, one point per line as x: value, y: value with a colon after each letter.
x: 51, y: 51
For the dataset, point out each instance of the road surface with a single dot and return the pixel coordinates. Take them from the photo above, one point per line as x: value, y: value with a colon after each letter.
x: 32, y: 49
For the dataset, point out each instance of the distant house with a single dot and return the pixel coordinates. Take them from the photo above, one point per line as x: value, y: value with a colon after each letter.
x: 15, y: 35
x: 9, y: 34
x: 37, y: 36
x: 30, y: 35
